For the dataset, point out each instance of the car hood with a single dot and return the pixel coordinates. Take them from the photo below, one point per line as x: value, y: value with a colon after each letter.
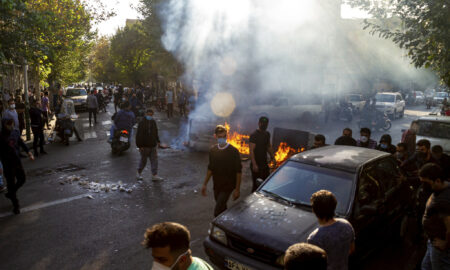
x: 268, y: 223
x: 78, y: 97
x: 384, y: 104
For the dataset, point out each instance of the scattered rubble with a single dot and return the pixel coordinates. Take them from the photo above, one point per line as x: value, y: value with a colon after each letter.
x: 97, y: 187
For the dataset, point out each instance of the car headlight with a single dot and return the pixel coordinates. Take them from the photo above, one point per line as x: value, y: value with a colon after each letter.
x: 218, y: 235
x: 280, y: 260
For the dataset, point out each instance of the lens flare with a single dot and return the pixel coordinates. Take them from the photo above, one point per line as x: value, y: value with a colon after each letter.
x: 223, y: 104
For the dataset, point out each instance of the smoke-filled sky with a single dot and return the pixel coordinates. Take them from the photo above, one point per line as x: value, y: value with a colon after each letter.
x: 287, y: 47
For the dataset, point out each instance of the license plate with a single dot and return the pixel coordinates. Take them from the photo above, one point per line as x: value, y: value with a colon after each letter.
x: 124, y: 139
x: 233, y: 265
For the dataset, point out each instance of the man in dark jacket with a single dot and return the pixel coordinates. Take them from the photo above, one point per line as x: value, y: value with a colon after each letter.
x: 226, y: 169
x: 10, y: 141
x: 37, y: 126
x: 147, y: 140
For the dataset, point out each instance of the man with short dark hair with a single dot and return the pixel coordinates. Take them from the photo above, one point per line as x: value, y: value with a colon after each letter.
x: 365, y: 140
x: 37, y: 127
x: 421, y: 157
x: 260, y: 145
x: 225, y: 167
x: 147, y: 140
x: 443, y: 160
x: 436, y: 218
x: 170, y: 244
x: 334, y: 235
x: 319, y: 141
x: 402, y: 152
x: 305, y: 256
x: 346, y: 138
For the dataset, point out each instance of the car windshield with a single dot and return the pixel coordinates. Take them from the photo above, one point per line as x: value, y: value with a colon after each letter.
x: 385, y: 98
x: 296, y: 182
x: 354, y: 98
x: 76, y: 92
x: 419, y: 94
x: 442, y: 94
x: 434, y: 129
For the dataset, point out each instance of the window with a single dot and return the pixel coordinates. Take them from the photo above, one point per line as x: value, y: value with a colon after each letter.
x: 399, y: 98
x: 387, y: 172
x: 385, y: 98
x: 434, y: 129
x: 296, y: 182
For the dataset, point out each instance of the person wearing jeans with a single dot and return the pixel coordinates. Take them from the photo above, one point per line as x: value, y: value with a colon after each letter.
x: 147, y: 140
x: 37, y: 126
x: 92, y: 106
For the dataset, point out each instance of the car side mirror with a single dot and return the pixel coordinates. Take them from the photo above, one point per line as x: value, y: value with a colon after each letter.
x: 259, y: 182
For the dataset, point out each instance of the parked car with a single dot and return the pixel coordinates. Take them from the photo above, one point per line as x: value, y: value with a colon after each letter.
x: 391, y: 103
x: 78, y: 96
x: 439, y: 98
x: 436, y: 129
x: 357, y: 102
x: 417, y: 97
x: 255, y: 232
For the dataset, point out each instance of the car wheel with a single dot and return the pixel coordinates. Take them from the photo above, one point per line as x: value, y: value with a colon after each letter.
x: 387, y: 125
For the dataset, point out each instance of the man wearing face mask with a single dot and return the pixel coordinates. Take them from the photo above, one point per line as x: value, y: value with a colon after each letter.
x: 170, y: 244
x: 10, y: 113
x: 365, y: 140
x: 225, y: 167
x: 147, y: 140
x: 386, y: 144
x: 10, y: 142
x: 436, y: 218
x: 401, y: 153
x: 421, y: 157
x: 259, y: 147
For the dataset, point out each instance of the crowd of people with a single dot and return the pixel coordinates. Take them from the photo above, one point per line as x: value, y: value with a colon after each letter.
x: 327, y: 247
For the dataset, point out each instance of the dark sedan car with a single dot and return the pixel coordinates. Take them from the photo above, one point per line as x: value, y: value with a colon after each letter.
x: 254, y: 233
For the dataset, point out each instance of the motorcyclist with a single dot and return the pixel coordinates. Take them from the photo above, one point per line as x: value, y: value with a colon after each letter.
x: 123, y: 120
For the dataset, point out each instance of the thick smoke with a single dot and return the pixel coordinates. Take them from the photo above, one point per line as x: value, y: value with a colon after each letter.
x: 261, y: 50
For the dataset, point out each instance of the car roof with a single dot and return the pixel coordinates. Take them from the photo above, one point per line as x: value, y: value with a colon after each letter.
x: 389, y: 93
x: 445, y: 119
x: 346, y: 158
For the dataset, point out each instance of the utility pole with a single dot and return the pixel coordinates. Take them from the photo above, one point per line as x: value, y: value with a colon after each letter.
x: 27, y: 104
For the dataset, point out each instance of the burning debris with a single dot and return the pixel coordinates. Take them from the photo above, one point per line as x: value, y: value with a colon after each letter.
x: 240, y: 141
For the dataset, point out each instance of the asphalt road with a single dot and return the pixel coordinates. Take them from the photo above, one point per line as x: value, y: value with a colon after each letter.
x: 67, y: 225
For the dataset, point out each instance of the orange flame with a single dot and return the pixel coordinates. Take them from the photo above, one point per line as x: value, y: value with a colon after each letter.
x: 284, y: 152
x: 240, y: 141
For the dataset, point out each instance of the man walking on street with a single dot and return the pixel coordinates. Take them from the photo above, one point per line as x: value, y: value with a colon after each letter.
x: 147, y: 140
x: 169, y: 101
x: 259, y: 147
x: 92, y: 106
x: 10, y: 113
x: 10, y: 141
x: 45, y: 108
x: 37, y: 127
x: 182, y: 100
x: 225, y: 167
x: 436, y: 219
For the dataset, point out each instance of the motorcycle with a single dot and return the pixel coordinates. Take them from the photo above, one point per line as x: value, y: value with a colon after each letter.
x: 343, y: 113
x: 120, y: 142
x: 64, y: 128
x: 382, y: 122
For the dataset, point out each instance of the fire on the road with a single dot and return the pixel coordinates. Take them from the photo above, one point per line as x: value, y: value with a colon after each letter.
x: 240, y: 141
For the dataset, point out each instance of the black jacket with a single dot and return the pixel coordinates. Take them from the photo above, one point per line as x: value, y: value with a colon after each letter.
x: 147, y: 134
x: 36, y: 118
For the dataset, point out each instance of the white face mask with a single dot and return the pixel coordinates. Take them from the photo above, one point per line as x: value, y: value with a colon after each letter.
x: 12, y: 106
x: 364, y: 139
x: 159, y: 266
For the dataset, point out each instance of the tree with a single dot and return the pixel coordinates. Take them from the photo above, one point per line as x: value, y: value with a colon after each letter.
x: 131, y: 54
x: 421, y: 27
x: 102, y: 64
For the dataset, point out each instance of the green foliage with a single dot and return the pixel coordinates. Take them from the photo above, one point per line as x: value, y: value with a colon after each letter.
x: 421, y: 27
